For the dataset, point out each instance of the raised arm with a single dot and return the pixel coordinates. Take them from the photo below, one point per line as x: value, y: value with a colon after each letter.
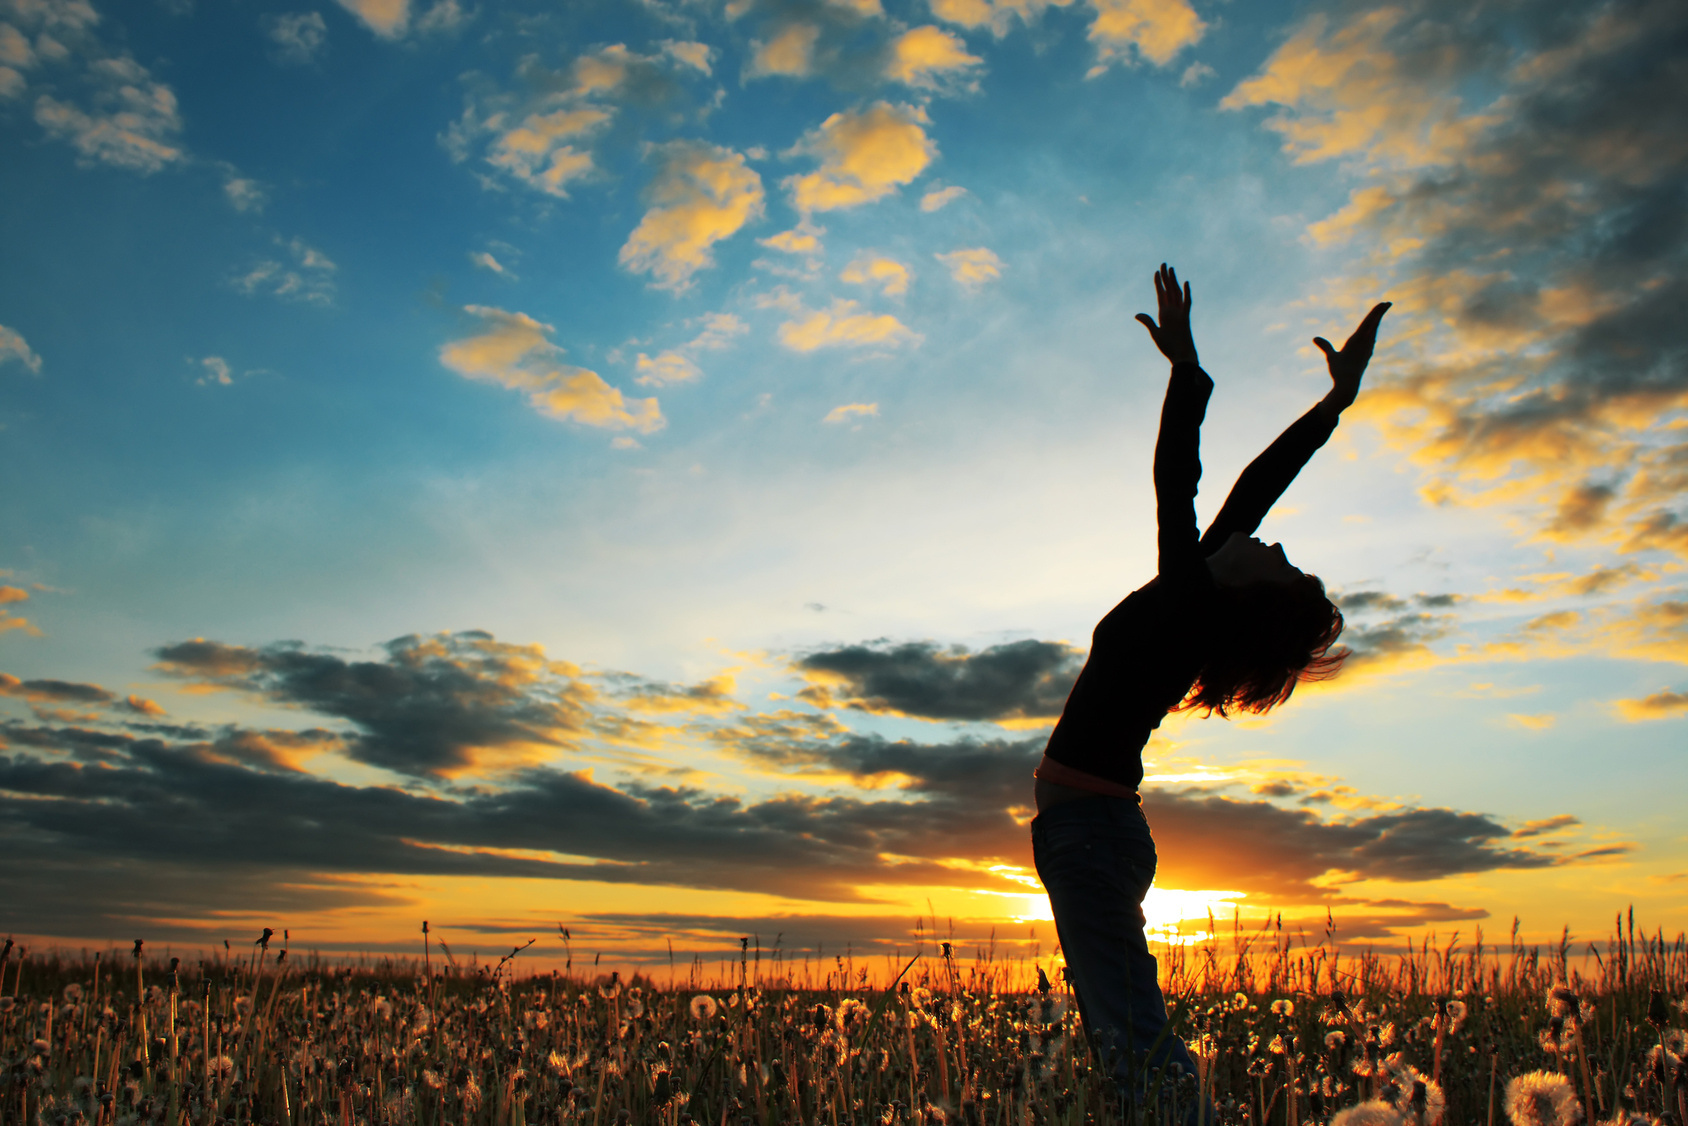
x: 1267, y: 476
x: 1178, y: 467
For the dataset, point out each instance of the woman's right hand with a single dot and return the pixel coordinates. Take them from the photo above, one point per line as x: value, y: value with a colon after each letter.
x: 1172, y: 336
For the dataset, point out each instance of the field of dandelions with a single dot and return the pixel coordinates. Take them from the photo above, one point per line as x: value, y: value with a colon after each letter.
x: 1286, y: 1033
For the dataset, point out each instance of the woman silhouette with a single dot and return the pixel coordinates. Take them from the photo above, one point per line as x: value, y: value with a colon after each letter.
x: 1227, y: 624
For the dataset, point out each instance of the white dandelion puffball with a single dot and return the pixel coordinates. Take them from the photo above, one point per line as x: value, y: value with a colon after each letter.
x: 704, y: 1007
x: 1375, y: 1113
x: 1541, y: 1098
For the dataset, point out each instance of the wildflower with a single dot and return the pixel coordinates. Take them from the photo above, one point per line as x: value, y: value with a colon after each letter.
x: 611, y: 988
x: 39, y: 1046
x: 1561, y: 1002
x: 920, y: 997
x: 1541, y: 1098
x: 635, y: 1007
x: 1277, y: 1046
x: 1240, y: 1001
x: 1456, y: 1015
x: 1335, y: 1041
x: 704, y: 1007
x: 73, y: 993
x: 1283, y: 1008
x: 383, y: 1008
x: 220, y: 1067
x: 1374, y: 1113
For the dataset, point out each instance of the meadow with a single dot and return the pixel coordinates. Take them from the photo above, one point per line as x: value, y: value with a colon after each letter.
x: 1289, y: 1031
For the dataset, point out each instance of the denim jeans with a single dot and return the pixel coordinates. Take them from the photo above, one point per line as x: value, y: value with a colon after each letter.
x: 1096, y: 860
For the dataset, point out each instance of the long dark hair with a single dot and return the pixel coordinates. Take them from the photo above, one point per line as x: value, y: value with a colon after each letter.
x: 1266, y: 639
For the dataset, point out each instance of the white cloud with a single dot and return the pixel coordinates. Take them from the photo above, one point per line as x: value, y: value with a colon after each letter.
x: 1195, y: 74
x: 864, y: 156
x: 972, y: 267
x: 842, y: 326
x: 486, y: 261
x: 719, y: 329
x: 512, y: 350
x: 298, y: 36
x: 243, y: 194
x: 701, y: 195
x: 695, y: 55
x: 938, y: 197
x: 15, y: 349
x: 925, y: 57
x: 129, y: 120
x: 215, y: 370
x: 309, y: 276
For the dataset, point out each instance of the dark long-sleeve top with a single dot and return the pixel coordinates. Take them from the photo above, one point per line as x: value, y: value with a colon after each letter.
x: 1146, y: 654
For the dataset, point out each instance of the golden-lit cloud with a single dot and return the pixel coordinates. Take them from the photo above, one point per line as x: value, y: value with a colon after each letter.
x: 843, y: 326
x: 513, y: 350
x: 664, y: 368
x: 9, y: 620
x: 386, y: 18
x: 889, y: 275
x: 864, y: 156
x: 15, y: 349
x: 972, y: 267
x: 848, y: 412
x: 926, y: 57
x: 539, y: 153
x: 790, y: 53
x: 938, y: 197
x: 701, y: 194
x: 805, y: 238
x: 1665, y: 704
x: 1156, y: 30
x: 1532, y: 372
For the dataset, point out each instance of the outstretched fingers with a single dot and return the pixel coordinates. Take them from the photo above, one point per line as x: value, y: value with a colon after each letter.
x: 1366, y: 335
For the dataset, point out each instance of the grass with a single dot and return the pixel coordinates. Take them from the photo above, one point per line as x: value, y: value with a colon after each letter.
x: 1288, y: 1033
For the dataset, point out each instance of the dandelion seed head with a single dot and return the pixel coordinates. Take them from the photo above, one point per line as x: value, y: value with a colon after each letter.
x: 1456, y: 1013
x: 703, y: 1007
x: 73, y: 993
x: 1283, y: 1008
x: 1374, y: 1113
x: 1541, y: 1098
x: 1561, y: 1002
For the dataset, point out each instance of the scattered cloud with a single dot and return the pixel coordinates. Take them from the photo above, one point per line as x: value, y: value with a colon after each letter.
x: 541, y: 153
x: 805, y: 238
x: 864, y: 156
x: 513, y: 350
x: 486, y: 261
x: 929, y: 58
x: 889, y: 275
x: 213, y: 370
x: 1538, y: 722
x: 849, y: 412
x: 15, y: 349
x: 842, y: 326
x: 1665, y: 704
x: 936, y: 197
x: 244, y: 195
x: 9, y: 620
x: 972, y: 267
x: 664, y: 368
x: 308, y: 276
x: 1195, y: 74
x: 701, y: 194
x: 996, y: 15
x: 298, y: 37
x: 698, y: 56
x: 125, y: 118
x: 789, y: 54
x: 1156, y: 30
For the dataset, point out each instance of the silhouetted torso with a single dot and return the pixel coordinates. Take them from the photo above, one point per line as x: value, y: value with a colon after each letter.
x: 1146, y: 653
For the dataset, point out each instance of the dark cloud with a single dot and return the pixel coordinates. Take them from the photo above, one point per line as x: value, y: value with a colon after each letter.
x: 1017, y: 680
x: 435, y: 707
x: 152, y: 803
x: 1546, y: 228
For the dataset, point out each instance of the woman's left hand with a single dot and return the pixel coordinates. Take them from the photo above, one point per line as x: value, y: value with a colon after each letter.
x: 1348, y: 365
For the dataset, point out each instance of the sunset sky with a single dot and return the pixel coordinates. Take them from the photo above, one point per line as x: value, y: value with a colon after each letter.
x: 654, y: 467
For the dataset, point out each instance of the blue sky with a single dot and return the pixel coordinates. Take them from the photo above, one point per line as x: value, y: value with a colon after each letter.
x: 638, y: 367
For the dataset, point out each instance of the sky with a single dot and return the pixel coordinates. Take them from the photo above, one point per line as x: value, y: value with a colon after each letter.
x: 652, y: 468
